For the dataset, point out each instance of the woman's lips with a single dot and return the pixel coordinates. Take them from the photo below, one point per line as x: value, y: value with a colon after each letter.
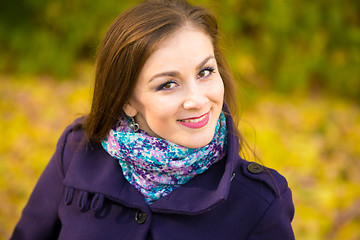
x: 197, y: 122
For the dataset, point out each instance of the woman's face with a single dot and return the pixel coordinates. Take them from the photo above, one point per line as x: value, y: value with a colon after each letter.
x: 179, y: 93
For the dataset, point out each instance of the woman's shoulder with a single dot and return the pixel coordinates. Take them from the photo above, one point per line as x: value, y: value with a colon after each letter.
x: 266, y: 200
x: 76, y: 125
x: 72, y: 140
x: 72, y: 133
x: 260, y: 181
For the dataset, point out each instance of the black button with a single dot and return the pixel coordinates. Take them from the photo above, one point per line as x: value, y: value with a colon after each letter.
x: 140, y: 216
x: 255, y: 168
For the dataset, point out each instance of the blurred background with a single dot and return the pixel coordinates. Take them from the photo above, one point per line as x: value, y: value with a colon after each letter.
x: 297, y: 63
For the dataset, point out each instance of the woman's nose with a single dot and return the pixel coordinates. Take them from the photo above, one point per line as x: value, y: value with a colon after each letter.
x: 195, y: 98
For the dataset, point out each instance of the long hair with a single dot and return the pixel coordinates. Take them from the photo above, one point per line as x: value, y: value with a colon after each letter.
x: 130, y: 40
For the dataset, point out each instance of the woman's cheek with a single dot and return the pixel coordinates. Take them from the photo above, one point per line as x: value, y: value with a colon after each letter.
x: 216, y: 89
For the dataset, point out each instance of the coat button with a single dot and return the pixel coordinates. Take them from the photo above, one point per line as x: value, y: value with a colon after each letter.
x: 140, y: 216
x: 255, y: 168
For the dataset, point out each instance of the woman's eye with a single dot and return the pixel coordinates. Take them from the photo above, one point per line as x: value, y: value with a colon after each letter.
x: 205, y: 72
x: 167, y: 86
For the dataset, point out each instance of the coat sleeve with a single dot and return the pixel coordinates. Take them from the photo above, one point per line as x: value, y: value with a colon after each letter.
x: 276, y: 221
x: 39, y: 219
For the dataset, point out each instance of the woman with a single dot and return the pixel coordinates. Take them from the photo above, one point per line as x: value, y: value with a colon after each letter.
x: 157, y: 157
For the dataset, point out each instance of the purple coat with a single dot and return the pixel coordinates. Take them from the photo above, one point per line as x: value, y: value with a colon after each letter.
x: 82, y: 194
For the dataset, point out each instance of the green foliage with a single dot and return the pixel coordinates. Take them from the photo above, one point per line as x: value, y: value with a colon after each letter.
x: 288, y: 46
x: 50, y: 37
x: 295, y: 46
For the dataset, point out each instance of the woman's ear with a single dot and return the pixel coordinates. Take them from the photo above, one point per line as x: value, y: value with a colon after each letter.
x: 129, y: 110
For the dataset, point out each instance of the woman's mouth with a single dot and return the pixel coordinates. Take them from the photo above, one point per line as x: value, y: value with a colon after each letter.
x: 197, y: 122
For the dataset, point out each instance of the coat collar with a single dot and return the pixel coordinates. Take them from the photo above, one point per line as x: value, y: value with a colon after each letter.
x: 93, y: 170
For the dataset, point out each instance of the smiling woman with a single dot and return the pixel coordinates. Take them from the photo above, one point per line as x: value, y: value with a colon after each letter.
x: 179, y: 87
x: 157, y: 157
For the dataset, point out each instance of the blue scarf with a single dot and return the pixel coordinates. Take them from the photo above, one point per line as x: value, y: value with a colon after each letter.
x: 156, y: 166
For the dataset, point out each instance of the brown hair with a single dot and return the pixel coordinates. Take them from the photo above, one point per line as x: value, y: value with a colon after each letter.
x: 129, y: 42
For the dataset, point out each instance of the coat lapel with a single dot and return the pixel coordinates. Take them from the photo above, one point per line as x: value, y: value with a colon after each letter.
x: 93, y: 170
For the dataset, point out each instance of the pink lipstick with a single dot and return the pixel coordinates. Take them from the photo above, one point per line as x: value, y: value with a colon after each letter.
x: 197, y: 122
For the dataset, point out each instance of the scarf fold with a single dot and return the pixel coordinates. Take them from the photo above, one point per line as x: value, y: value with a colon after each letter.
x: 156, y: 166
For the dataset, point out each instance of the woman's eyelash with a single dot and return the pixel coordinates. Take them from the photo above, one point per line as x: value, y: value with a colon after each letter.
x: 209, y: 69
x: 163, y: 86
x: 168, y: 85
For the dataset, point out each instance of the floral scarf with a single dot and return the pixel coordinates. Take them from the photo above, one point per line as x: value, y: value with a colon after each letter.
x: 156, y: 166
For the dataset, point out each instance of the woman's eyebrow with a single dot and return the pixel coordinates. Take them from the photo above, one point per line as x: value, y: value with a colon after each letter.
x: 203, y: 62
x: 165, y: 74
x: 176, y: 73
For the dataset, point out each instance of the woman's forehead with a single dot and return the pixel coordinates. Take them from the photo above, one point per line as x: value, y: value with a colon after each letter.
x: 186, y: 43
